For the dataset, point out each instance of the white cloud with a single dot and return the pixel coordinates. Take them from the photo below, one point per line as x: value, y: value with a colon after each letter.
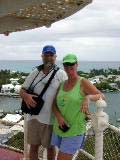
x: 92, y: 33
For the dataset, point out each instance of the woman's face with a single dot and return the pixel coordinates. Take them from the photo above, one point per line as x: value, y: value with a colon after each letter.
x: 70, y: 69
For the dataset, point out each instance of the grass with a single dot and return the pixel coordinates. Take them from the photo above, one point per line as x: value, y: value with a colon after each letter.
x: 17, y: 141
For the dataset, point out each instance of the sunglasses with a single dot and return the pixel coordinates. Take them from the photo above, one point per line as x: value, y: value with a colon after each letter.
x: 68, y: 64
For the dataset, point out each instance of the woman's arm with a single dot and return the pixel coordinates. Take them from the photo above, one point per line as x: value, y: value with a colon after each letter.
x: 90, y: 89
x: 92, y: 94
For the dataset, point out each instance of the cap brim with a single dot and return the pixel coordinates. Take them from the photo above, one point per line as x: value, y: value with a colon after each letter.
x: 48, y: 52
x: 69, y: 61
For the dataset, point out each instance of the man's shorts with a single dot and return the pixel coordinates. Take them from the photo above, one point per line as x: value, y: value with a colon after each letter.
x: 68, y: 145
x: 39, y: 133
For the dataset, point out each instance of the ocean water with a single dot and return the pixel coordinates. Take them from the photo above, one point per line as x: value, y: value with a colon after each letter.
x: 113, y: 98
x: 113, y: 106
x: 28, y: 65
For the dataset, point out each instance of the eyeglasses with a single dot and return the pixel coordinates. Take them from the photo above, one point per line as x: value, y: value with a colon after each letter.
x: 68, y: 64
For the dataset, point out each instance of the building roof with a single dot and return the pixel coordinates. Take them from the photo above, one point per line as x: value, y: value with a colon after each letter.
x: 7, y: 86
x: 12, y: 118
x: 28, y: 14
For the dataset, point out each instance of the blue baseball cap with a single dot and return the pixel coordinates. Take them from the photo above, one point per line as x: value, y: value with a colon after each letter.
x: 49, y: 49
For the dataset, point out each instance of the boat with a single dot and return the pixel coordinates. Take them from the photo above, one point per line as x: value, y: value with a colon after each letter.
x: 1, y: 113
x: 118, y: 120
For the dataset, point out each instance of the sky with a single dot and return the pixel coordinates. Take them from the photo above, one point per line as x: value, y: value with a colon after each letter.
x: 92, y: 33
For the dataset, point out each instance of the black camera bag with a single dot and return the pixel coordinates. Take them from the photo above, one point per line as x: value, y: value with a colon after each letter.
x: 39, y: 100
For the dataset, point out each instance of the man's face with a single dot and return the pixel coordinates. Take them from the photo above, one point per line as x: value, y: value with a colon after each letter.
x: 49, y: 58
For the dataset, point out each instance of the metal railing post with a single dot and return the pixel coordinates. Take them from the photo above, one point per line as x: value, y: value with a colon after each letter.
x: 99, y: 121
x: 25, y: 139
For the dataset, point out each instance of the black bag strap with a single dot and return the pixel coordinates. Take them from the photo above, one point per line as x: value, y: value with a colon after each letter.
x: 48, y: 83
x: 40, y: 67
x: 41, y: 78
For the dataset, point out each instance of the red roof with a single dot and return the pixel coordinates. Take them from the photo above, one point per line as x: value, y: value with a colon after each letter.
x: 6, y: 154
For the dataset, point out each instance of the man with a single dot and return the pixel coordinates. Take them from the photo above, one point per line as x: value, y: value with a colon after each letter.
x: 40, y: 126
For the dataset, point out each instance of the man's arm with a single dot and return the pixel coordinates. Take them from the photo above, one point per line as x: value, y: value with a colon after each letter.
x: 23, y: 93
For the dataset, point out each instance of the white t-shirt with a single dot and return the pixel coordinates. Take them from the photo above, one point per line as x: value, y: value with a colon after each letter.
x: 45, y: 114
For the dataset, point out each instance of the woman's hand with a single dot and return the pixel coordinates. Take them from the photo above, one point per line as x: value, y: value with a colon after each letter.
x: 85, y: 105
x: 61, y: 120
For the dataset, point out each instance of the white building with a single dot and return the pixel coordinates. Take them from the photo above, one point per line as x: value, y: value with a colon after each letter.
x: 117, y: 78
x: 101, y: 77
x: 6, y: 88
x: 17, y: 88
x: 14, y: 80
x: 113, y: 85
x: 94, y: 80
x: 23, y: 77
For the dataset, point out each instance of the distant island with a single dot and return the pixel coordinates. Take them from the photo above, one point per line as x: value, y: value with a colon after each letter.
x: 104, y: 79
x: 107, y: 80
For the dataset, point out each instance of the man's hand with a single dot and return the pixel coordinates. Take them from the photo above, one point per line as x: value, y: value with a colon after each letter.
x: 28, y: 98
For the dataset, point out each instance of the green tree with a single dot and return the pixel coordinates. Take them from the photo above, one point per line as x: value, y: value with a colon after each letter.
x: 12, y: 90
x: 21, y: 81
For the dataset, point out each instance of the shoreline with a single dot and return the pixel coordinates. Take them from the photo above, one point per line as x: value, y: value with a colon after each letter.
x: 14, y: 95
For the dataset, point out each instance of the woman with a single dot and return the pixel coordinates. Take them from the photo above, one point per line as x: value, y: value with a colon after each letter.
x: 70, y: 107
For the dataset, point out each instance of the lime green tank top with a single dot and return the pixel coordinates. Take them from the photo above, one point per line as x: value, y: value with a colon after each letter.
x: 69, y: 104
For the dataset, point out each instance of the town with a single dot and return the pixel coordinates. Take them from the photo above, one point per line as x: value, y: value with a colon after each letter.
x: 106, y: 80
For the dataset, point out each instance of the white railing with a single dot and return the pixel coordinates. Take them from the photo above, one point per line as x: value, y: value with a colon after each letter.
x: 115, y: 129
x: 85, y: 153
x: 99, y: 121
x: 26, y: 148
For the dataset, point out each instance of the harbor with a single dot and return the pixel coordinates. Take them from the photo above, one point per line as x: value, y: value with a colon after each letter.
x: 14, y: 95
